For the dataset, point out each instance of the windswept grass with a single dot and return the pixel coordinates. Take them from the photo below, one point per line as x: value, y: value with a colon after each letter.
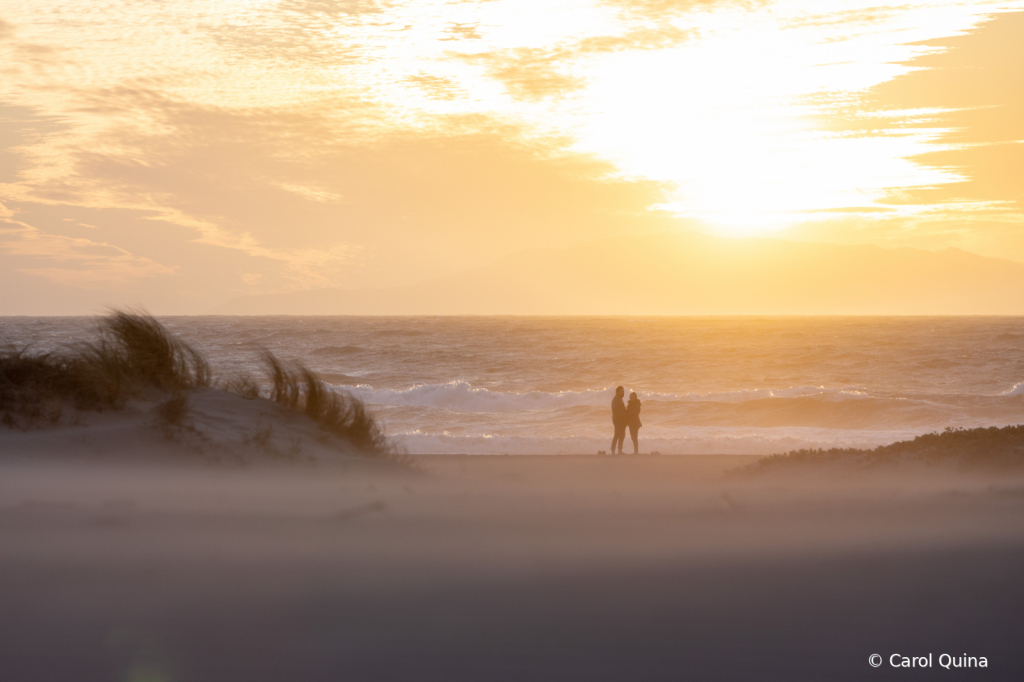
x: 31, y: 386
x: 341, y: 414
x: 142, y: 351
x: 984, y: 448
x: 134, y: 354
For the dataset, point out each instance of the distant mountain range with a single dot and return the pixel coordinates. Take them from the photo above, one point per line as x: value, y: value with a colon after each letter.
x: 688, y: 274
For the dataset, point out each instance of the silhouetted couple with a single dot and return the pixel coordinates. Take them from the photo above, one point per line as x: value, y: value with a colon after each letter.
x: 625, y: 416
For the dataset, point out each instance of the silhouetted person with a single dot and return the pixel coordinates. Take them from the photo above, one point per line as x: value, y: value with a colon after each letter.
x: 633, y: 420
x: 618, y: 419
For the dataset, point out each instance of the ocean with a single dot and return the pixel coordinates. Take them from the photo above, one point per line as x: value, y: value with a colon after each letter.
x: 716, y: 385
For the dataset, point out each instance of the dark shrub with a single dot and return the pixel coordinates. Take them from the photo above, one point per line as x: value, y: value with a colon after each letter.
x: 983, y: 448
x: 33, y: 388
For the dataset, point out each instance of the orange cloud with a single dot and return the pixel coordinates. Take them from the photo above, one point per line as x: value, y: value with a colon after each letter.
x: 75, y: 261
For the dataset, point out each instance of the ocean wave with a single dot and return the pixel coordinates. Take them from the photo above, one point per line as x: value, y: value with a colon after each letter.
x: 694, y: 441
x: 1016, y: 390
x: 339, y: 379
x: 463, y: 397
x: 335, y: 351
x: 464, y: 409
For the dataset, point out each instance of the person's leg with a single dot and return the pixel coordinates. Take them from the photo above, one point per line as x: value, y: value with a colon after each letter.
x: 633, y: 433
x: 615, y: 439
x: 621, y: 433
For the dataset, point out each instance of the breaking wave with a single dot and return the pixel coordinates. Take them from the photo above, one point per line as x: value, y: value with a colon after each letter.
x: 754, y: 421
x: 463, y: 397
x: 1016, y: 390
x: 691, y: 441
x: 335, y: 351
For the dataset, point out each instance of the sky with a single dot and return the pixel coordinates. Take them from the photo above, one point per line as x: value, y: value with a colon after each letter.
x: 177, y: 155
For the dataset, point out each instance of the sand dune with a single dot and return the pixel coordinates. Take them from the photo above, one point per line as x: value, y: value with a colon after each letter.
x: 217, y: 426
x: 139, y: 393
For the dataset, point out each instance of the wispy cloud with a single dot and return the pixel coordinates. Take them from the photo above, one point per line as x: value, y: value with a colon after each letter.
x: 328, y: 143
x: 68, y: 260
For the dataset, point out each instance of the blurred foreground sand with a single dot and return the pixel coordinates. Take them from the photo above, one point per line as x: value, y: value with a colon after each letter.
x: 502, y: 568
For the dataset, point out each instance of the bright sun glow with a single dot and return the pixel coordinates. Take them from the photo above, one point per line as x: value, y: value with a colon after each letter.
x: 726, y: 104
x: 323, y: 142
x: 731, y: 114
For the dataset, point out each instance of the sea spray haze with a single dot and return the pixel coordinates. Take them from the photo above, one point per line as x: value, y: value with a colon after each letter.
x: 708, y: 385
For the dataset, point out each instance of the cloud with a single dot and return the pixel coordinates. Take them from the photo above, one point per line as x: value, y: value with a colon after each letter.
x: 437, y: 87
x: 67, y: 260
x: 529, y: 73
x: 957, y: 94
x: 323, y: 201
x: 462, y: 32
x: 330, y: 143
x: 333, y: 8
x: 535, y: 73
x: 980, y: 115
x: 667, y: 8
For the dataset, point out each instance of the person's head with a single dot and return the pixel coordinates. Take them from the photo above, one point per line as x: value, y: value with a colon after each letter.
x: 632, y: 396
x: 620, y: 391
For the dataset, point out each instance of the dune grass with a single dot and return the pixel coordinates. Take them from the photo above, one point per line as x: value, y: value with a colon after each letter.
x: 33, y: 387
x: 341, y: 414
x: 983, y: 448
x: 142, y: 352
x: 135, y: 353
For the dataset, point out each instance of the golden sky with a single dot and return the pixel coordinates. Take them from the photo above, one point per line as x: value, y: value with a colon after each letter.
x: 177, y: 155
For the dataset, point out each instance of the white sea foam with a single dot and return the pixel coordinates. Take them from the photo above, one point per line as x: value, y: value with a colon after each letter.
x: 463, y: 397
x: 688, y: 441
x: 1016, y: 390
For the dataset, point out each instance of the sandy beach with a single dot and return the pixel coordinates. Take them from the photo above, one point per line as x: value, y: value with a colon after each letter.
x: 502, y: 568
